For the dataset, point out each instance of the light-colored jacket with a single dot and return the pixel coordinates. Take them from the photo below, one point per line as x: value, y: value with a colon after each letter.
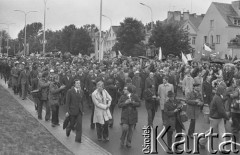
x: 163, y: 90
x: 101, y: 112
x: 187, y: 84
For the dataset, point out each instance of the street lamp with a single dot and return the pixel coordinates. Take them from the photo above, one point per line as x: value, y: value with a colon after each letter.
x: 100, y: 34
x: 151, y: 14
x: 108, y: 18
x: 45, y: 3
x: 8, y: 24
x: 25, y: 36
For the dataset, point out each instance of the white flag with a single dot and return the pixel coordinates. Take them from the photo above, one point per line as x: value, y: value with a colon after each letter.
x: 206, y: 48
x: 160, y: 54
x: 119, y: 54
x: 189, y: 57
x: 184, y: 59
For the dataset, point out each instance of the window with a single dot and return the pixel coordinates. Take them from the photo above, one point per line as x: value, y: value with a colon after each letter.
x: 193, y: 40
x: 236, y: 22
x: 211, y: 39
x: 211, y: 23
x: 218, y: 39
x: 205, y: 39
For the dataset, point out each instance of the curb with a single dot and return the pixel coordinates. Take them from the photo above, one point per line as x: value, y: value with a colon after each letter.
x: 85, y: 140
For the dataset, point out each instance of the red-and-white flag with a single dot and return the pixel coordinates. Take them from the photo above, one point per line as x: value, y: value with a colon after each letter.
x: 206, y: 48
x: 189, y: 57
x: 184, y: 59
x: 160, y: 54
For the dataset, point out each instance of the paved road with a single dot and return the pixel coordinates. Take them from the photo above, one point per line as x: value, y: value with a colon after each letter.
x: 113, y: 146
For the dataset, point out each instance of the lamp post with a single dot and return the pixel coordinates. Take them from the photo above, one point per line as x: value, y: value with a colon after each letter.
x: 151, y: 14
x: 8, y: 24
x: 44, y: 21
x: 108, y: 18
x: 100, y: 34
x: 25, y: 35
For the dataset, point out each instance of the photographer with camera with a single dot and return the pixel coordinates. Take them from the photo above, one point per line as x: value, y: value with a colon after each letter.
x: 173, y: 120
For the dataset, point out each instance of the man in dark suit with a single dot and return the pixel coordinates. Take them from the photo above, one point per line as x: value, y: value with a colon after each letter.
x: 68, y: 82
x: 207, y: 90
x: 74, y: 103
x: 24, y: 81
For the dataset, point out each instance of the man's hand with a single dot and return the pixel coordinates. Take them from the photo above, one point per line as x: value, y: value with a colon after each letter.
x: 176, y: 110
x: 128, y: 101
x: 200, y: 103
x: 67, y: 114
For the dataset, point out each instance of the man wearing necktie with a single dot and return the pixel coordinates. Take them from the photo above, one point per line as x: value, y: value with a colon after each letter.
x: 74, y: 103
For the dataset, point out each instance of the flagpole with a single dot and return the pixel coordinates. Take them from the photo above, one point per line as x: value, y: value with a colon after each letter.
x: 100, y: 34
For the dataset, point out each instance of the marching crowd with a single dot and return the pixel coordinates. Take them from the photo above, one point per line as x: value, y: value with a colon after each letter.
x: 128, y: 84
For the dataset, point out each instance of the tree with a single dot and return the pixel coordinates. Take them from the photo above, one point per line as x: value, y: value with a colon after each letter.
x: 130, y: 34
x: 81, y: 42
x: 171, y: 38
x: 3, y: 40
x: 67, y: 33
x: 32, y: 36
x: 54, y: 40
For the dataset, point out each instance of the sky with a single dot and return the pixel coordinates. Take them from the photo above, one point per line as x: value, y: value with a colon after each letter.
x: 61, y: 13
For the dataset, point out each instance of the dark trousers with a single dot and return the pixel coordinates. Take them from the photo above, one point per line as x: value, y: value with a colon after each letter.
x: 55, y: 112
x: 36, y: 102
x: 127, y: 131
x: 76, y: 123
x: 40, y: 106
x: 151, y: 115
x: 102, y: 130
x: 24, y: 90
x: 112, y: 106
x: 15, y: 89
x: 163, y: 117
x: 92, y: 114
x: 170, y: 133
x: 191, y: 129
x: 235, y: 124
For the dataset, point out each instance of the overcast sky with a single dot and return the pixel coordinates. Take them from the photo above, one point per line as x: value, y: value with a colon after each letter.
x: 80, y: 12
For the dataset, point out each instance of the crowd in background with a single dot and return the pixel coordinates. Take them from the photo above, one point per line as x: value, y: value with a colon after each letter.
x: 129, y: 83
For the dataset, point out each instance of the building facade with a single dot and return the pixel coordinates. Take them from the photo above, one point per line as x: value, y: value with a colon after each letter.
x: 220, y: 25
x: 109, y: 40
x: 188, y: 22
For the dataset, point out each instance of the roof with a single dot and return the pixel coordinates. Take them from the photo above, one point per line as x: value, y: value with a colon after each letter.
x: 226, y: 10
x: 115, y: 28
x: 196, y: 21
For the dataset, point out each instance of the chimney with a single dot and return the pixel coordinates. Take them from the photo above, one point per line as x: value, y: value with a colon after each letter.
x: 185, y: 15
x: 236, y: 6
x: 177, y: 15
x: 170, y: 16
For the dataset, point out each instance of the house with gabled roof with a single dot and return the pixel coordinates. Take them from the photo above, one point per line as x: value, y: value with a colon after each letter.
x: 188, y: 22
x: 110, y: 39
x: 219, y: 27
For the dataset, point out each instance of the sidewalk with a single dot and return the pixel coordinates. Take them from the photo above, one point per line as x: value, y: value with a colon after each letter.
x: 87, y: 146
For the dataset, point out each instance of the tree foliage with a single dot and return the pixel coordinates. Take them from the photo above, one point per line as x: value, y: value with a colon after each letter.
x: 69, y: 39
x: 129, y: 35
x: 81, y: 42
x: 171, y: 38
x: 67, y: 33
x: 4, y: 35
